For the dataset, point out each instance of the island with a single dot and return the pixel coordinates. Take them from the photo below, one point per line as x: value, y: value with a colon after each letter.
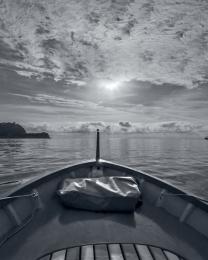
x: 206, y: 137
x: 13, y: 130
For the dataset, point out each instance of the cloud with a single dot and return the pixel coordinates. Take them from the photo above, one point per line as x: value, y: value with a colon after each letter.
x: 138, y: 101
x: 56, y: 104
x: 57, y: 59
x: 147, y: 93
x: 125, y: 124
x: 121, y: 127
x: 179, y: 127
x: 144, y: 40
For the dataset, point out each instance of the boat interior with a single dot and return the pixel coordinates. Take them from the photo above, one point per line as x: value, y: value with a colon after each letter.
x: 168, y: 225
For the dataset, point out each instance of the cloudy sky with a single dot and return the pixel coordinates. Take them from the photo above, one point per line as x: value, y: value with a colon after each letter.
x: 110, y: 61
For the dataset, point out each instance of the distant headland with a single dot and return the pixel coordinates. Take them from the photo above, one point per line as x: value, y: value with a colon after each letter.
x: 206, y: 137
x: 13, y: 130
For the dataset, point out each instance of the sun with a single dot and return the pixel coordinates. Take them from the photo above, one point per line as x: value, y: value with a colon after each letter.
x: 111, y: 85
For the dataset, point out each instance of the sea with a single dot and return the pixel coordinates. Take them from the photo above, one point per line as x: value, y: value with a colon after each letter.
x: 178, y: 158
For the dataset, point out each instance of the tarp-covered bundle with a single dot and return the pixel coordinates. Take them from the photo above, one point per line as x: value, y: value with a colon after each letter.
x: 117, y: 194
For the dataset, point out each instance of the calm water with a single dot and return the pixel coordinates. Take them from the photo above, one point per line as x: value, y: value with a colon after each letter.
x: 180, y: 159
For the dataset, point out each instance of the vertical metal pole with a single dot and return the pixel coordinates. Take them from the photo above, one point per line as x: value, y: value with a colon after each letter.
x: 98, y: 146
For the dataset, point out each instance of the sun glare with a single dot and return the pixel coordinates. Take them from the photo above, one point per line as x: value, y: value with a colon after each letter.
x: 110, y: 85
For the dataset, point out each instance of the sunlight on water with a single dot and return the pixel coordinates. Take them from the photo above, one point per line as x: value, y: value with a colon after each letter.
x: 180, y: 159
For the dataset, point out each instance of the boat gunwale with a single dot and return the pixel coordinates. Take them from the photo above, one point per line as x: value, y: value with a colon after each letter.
x: 197, y: 201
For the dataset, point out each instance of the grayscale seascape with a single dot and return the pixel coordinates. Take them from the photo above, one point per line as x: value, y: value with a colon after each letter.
x: 103, y: 129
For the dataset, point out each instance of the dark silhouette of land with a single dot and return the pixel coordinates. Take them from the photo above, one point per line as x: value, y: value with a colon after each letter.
x: 13, y: 130
x: 206, y: 137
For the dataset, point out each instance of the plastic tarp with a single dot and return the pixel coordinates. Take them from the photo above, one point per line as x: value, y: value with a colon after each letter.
x: 115, y: 194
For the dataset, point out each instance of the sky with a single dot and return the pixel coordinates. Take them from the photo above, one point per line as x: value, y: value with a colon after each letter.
x: 134, y: 65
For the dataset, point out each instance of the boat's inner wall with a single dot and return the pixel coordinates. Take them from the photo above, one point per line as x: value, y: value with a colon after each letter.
x: 156, y: 222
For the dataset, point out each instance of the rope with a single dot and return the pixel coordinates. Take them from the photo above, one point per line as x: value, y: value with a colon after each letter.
x: 34, y: 194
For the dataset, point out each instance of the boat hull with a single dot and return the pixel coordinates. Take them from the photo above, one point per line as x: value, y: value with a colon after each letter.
x: 38, y: 225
